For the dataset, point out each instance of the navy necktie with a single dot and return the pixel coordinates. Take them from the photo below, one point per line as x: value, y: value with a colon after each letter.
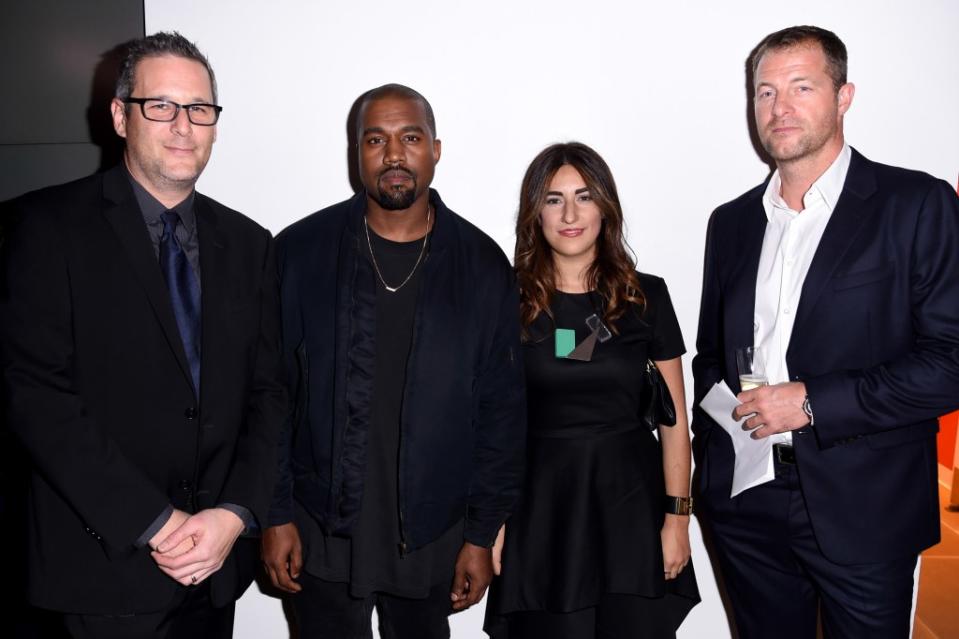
x: 184, y: 293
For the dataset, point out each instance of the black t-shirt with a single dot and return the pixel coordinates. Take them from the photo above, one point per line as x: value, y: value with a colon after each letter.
x: 371, y: 560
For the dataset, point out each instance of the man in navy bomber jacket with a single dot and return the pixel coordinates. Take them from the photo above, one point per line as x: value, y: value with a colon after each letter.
x: 404, y: 453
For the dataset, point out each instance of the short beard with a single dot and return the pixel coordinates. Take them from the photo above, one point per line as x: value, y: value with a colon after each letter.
x: 396, y: 200
x: 805, y: 146
x: 156, y: 173
x: 801, y: 150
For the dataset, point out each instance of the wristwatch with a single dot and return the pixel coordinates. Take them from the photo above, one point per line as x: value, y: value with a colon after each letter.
x: 807, y: 408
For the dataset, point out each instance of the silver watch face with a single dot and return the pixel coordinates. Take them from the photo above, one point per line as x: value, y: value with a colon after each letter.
x: 806, y: 407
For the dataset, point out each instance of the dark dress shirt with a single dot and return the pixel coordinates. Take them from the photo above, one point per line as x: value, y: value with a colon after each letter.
x: 152, y: 210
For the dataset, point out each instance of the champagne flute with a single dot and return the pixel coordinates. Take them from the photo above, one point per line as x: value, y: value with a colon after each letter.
x: 751, y: 362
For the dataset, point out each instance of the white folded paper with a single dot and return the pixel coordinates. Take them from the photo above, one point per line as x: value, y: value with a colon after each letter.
x: 754, y: 460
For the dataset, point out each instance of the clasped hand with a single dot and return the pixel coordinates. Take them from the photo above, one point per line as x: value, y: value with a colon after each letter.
x: 190, y: 548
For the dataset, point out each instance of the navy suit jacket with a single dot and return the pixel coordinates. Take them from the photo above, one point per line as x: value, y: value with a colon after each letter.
x: 876, y: 341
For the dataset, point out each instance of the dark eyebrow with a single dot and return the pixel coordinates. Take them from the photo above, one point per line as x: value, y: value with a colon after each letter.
x: 164, y: 98
x: 576, y: 192
x: 414, y: 128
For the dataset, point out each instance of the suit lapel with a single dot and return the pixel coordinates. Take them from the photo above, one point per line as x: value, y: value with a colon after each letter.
x: 742, y: 293
x: 846, y: 220
x: 213, y: 277
x: 123, y: 213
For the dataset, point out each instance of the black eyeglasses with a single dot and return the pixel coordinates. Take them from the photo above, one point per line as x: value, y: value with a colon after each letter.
x: 158, y: 110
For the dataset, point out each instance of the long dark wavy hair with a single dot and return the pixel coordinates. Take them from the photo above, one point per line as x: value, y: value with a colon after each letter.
x: 612, y: 274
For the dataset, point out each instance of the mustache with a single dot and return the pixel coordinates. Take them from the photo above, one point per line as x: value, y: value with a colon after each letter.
x: 784, y: 122
x: 396, y: 170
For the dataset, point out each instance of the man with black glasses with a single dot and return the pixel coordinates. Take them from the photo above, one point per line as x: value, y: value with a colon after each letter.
x: 139, y: 348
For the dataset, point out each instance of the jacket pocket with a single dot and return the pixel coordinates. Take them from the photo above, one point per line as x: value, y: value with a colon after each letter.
x: 900, y: 436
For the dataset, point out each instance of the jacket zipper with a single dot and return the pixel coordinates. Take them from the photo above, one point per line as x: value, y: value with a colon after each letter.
x: 417, y: 320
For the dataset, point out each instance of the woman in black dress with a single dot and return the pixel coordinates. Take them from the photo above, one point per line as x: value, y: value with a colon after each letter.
x: 599, y: 546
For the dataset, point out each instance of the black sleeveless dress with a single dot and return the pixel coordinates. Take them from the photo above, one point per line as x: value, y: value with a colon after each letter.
x: 592, y: 509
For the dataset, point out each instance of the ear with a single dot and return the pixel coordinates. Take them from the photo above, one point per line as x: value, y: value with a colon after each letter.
x: 844, y: 97
x: 437, y: 150
x: 119, y: 112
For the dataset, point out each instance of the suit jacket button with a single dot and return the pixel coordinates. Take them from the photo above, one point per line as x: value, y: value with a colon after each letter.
x: 190, y: 413
x: 185, y: 484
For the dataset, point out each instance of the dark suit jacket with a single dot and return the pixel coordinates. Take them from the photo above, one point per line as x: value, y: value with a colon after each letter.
x: 876, y: 341
x: 98, y: 389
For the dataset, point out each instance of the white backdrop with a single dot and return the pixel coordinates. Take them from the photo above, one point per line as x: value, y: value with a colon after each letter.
x: 657, y: 88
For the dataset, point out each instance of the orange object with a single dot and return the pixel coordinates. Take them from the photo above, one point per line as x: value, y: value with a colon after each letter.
x: 946, y: 441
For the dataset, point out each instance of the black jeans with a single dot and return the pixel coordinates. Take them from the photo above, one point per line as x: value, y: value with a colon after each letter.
x: 326, y: 610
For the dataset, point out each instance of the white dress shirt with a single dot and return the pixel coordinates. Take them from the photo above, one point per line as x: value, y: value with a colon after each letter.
x: 789, y: 243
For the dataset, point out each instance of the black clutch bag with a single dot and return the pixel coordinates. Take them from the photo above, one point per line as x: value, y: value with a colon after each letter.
x: 656, y: 404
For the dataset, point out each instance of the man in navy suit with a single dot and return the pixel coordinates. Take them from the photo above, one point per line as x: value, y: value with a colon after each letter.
x: 846, y: 272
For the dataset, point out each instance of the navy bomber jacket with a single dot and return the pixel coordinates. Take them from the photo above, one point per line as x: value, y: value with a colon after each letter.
x: 463, y: 426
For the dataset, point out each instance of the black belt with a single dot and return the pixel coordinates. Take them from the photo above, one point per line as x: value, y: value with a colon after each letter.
x: 784, y: 454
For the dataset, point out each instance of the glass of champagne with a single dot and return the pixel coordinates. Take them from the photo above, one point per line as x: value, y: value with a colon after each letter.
x: 751, y: 362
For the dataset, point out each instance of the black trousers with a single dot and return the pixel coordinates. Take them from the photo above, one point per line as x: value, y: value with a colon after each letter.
x: 616, y: 617
x: 326, y: 610
x: 189, y: 616
x: 778, y: 580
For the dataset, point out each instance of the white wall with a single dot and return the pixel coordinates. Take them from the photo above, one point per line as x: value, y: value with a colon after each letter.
x: 657, y: 88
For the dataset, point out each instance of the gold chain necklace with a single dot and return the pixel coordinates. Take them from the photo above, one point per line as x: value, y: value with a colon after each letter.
x: 393, y: 289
